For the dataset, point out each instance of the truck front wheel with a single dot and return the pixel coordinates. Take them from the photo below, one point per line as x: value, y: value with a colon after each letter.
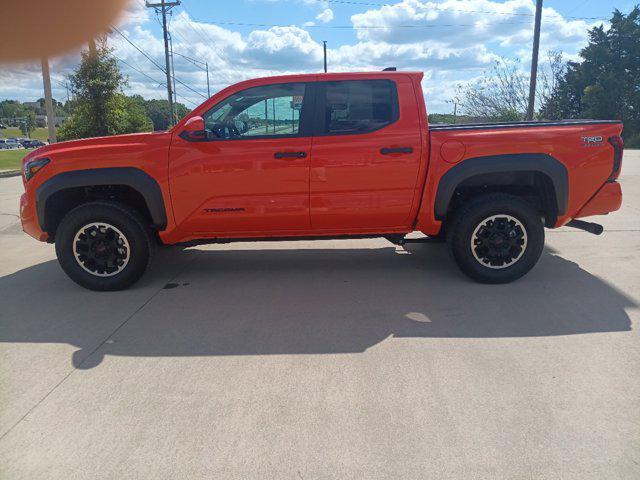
x: 496, y: 238
x: 103, y: 245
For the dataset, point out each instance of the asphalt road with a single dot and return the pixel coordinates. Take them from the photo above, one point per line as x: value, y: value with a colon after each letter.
x: 337, y: 359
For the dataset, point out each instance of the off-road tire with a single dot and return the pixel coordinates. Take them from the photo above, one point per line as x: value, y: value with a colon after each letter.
x: 127, y: 221
x: 467, y: 223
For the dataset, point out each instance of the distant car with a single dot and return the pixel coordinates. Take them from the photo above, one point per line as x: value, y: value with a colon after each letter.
x: 10, y: 144
x: 30, y: 143
x: 2, y: 126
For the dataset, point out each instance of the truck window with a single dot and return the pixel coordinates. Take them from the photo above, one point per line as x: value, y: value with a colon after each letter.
x: 359, y: 106
x: 269, y: 110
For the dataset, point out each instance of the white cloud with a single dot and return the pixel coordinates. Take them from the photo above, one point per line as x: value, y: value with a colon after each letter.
x: 282, y: 48
x: 325, y: 16
x: 465, y: 22
x: 418, y: 56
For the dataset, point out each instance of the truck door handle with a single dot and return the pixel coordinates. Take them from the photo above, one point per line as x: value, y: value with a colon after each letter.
x: 388, y: 151
x: 290, y: 155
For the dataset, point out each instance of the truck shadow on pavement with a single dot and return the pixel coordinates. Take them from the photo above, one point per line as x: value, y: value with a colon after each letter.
x: 301, y: 301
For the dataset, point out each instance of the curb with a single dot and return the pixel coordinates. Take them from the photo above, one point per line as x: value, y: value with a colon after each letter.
x: 9, y: 173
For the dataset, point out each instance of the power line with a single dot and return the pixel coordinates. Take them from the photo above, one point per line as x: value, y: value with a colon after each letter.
x: 461, y: 10
x: 139, y: 50
x: 361, y: 27
x: 195, y: 104
x: 202, y: 65
x: 189, y: 88
x: 212, y: 43
x: 160, y: 84
x: 155, y: 63
x: 197, y: 63
x: 207, y: 42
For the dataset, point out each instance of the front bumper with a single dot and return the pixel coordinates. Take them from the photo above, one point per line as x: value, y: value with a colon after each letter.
x: 29, y: 219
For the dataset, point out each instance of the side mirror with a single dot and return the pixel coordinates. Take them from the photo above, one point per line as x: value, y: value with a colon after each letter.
x: 193, y: 129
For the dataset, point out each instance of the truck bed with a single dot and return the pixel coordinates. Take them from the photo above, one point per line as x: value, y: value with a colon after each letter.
x: 495, y: 125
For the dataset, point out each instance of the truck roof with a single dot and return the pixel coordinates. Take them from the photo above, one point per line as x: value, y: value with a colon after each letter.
x: 334, y: 76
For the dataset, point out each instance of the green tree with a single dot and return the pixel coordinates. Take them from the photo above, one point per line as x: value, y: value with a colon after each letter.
x: 100, y: 108
x: 605, y: 83
x: 159, y: 113
x: 58, y: 108
x: 14, y: 111
x: 499, y: 95
x: 502, y: 94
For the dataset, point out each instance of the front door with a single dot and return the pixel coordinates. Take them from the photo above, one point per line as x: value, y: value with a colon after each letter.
x: 366, y: 155
x: 251, y: 171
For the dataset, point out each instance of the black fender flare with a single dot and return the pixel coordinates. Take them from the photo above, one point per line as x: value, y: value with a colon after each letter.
x: 521, y: 162
x: 128, y: 176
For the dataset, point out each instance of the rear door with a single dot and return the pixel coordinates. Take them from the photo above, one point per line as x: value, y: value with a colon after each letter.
x: 366, y: 154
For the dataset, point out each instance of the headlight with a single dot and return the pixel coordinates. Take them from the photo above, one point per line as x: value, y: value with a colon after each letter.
x: 32, y: 167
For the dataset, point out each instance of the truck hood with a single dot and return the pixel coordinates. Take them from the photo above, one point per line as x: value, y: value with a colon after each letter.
x: 131, y: 143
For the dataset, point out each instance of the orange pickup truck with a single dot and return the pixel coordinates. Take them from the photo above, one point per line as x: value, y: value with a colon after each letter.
x: 346, y: 155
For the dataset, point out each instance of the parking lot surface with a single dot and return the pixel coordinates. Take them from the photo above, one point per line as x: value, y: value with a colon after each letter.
x: 324, y: 359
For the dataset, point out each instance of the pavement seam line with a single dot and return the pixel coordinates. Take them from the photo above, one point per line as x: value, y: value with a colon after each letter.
x: 39, y: 402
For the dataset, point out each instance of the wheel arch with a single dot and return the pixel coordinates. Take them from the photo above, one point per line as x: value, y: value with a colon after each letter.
x: 135, y: 180
x: 506, y: 171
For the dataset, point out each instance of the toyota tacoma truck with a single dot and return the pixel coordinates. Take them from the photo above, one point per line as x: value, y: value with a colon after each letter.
x: 345, y: 155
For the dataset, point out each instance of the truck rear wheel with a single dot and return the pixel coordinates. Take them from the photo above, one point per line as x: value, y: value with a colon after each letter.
x: 496, y: 238
x: 103, y: 246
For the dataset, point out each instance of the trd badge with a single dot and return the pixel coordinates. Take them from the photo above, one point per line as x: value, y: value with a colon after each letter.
x: 595, y: 141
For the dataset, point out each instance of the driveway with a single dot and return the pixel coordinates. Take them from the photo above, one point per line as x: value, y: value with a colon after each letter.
x: 324, y: 359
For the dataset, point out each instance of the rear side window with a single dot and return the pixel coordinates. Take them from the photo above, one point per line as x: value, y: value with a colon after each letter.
x: 358, y: 106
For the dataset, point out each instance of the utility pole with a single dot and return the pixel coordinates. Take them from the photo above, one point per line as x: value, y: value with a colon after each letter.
x: 164, y: 7
x: 48, y: 102
x: 174, y: 114
x: 324, y: 47
x: 455, y: 101
x: 534, y: 61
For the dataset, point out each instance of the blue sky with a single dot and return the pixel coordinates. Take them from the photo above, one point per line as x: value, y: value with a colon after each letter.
x: 452, y: 41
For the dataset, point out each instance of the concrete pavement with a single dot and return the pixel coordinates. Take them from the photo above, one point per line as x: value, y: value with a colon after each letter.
x: 335, y: 359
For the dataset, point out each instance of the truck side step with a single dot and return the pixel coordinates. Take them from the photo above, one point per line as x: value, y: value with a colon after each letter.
x: 594, y: 228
